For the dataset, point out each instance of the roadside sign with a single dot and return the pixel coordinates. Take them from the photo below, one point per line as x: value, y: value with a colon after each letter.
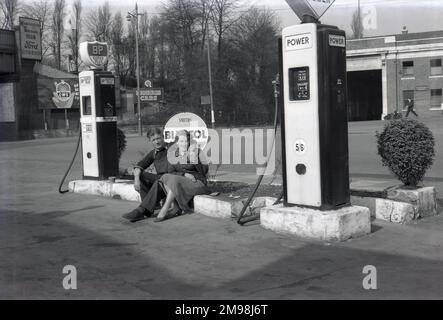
x: 151, y: 95
x: 314, y: 8
x: 148, y: 84
x: 30, y: 39
x: 190, y: 122
x: 94, y: 54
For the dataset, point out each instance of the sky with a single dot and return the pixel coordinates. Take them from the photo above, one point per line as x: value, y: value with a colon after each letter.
x: 380, y: 17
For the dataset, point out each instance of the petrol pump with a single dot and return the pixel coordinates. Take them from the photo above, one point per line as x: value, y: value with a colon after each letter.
x: 314, y: 116
x: 98, y: 114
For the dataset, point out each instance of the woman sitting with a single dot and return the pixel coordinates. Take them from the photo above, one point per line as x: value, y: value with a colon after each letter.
x: 185, y: 179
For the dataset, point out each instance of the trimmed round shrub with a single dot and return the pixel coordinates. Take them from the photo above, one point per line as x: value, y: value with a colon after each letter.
x: 406, y: 147
x: 121, y: 143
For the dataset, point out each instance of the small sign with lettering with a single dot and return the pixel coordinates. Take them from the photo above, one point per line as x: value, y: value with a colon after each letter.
x: 298, y: 42
x: 337, y: 41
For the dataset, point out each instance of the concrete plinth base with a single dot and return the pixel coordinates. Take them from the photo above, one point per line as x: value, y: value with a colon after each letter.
x: 338, y: 225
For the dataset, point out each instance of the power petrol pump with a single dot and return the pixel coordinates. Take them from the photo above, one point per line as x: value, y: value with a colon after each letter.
x: 98, y: 114
x: 314, y: 114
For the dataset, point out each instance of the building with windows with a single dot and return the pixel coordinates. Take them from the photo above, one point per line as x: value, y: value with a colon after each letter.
x: 383, y: 72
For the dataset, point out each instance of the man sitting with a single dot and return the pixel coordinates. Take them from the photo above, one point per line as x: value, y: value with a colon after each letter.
x: 147, y: 184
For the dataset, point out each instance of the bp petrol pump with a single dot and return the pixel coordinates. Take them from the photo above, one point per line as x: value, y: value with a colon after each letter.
x: 314, y: 113
x: 98, y: 116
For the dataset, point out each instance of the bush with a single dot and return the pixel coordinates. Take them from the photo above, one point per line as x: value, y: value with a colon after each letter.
x: 121, y: 143
x: 406, y: 147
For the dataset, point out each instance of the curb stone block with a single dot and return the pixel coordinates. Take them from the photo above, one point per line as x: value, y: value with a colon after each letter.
x: 424, y: 199
x: 395, y: 211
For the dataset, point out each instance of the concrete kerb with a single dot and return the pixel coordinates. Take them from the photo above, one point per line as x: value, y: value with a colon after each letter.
x: 393, y: 203
x: 221, y: 206
x: 120, y: 189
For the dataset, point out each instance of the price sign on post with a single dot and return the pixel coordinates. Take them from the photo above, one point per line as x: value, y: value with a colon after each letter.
x: 151, y: 95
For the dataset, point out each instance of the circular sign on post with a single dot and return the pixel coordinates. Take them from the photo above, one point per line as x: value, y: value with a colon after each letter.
x: 94, y: 54
x: 189, y: 122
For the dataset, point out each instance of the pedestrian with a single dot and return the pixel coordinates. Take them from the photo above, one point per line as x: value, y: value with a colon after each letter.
x: 410, y: 106
x: 146, y: 183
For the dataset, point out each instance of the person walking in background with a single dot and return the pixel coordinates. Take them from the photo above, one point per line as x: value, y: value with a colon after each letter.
x: 410, y: 108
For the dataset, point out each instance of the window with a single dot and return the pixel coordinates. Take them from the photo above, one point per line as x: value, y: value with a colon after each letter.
x: 436, y: 67
x: 408, y: 68
x: 407, y: 94
x: 436, y: 98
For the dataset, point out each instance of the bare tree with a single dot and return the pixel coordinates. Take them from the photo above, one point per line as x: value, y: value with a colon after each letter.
x: 98, y: 23
x: 223, y: 19
x: 40, y: 10
x: 357, y: 25
x: 119, y: 48
x: 9, y: 10
x: 58, y: 30
x: 76, y: 30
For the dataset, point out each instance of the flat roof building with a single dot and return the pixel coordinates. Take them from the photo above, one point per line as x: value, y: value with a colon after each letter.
x: 383, y: 72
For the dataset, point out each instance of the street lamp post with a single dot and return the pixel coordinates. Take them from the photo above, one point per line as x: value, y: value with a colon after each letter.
x: 134, y: 16
x: 210, y: 83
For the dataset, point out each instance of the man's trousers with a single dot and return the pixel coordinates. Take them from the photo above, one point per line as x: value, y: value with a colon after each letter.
x: 151, y: 191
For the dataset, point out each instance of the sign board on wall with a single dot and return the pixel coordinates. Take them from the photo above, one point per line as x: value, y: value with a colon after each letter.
x: 58, y: 93
x: 30, y: 39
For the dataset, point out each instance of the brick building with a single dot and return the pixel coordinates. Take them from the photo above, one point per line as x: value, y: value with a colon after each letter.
x: 382, y: 73
x: 385, y: 71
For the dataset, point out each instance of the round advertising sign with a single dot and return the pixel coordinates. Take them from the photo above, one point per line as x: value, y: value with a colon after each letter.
x: 94, y: 54
x: 189, y: 122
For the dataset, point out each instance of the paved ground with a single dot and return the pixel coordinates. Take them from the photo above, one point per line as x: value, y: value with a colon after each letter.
x: 193, y: 256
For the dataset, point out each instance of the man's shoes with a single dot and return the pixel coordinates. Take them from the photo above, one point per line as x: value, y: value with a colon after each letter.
x: 135, y: 215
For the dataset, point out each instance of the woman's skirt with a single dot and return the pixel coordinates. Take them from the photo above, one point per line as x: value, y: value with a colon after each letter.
x: 184, y: 189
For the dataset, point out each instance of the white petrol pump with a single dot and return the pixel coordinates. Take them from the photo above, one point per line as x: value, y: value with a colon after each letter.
x: 98, y: 114
x: 314, y: 116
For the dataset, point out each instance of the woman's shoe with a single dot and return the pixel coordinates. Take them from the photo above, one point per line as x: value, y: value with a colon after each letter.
x: 171, y: 214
